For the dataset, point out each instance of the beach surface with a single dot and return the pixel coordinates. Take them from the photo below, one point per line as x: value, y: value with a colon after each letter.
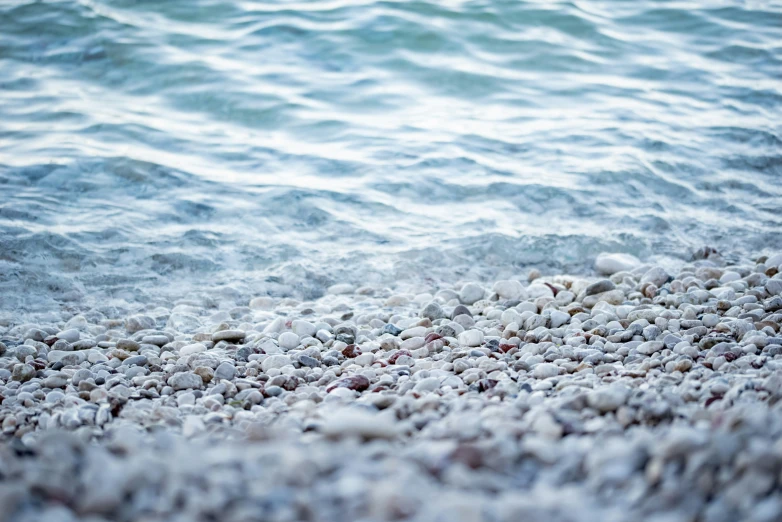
x: 629, y: 394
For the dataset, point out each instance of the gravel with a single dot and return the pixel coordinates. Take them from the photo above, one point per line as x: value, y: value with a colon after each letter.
x: 642, y: 393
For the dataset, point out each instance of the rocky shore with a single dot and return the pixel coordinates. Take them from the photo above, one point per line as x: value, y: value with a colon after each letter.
x: 633, y: 394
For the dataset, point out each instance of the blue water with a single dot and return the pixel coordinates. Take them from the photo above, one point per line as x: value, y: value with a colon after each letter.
x: 153, y: 150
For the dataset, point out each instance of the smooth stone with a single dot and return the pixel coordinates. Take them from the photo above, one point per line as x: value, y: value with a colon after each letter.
x: 185, y: 381
x: 136, y: 360
x: 392, y: 330
x: 275, y: 361
x: 599, y: 287
x: 433, y: 311
x: 427, y: 385
x: 58, y: 356
x: 137, y: 323
x: 510, y: 289
x: 365, y: 359
x: 470, y: 293
x: 71, y: 335
x: 460, y: 310
x: 190, y: 349
x: 230, y: 336
x: 471, y: 338
x: 24, y: 351
x: 413, y: 343
x: 656, y: 276
x: 650, y: 347
x: 418, y: 331
x: 545, y: 370
x: 58, y: 380
x: 611, y: 263
x: 774, y: 260
x: 288, y: 340
x: 303, y: 328
x: 157, y: 340
x: 558, y: 318
x: 226, y: 371
x: 128, y: 345
x: 22, y: 372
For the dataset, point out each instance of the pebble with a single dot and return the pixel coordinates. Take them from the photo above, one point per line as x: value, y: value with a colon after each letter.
x: 275, y: 361
x: 71, y: 335
x: 226, y: 371
x: 545, y: 370
x: 656, y: 276
x: 230, y: 336
x: 471, y: 338
x: 610, y: 264
x: 622, y: 380
x: 137, y: 323
x: 471, y: 293
x: 508, y: 289
x: 288, y: 340
x: 190, y: 349
x: 599, y: 287
x: 303, y: 328
x: 185, y: 381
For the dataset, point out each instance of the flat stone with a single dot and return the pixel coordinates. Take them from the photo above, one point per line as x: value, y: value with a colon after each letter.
x: 509, y: 289
x: 230, y: 336
x: 190, y: 349
x: 157, y: 340
x: 185, y: 381
x: 128, y: 345
x: 471, y: 338
x: 57, y: 380
x: 599, y: 287
x: 609, y: 264
x: 226, y: 371
x: 275, y: 361
x: 71, y: 335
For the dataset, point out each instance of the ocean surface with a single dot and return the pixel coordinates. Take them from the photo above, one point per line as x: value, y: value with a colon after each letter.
x: 155, y: 150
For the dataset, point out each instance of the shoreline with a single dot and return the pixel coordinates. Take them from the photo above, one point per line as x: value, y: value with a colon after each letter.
x: 629, y: 395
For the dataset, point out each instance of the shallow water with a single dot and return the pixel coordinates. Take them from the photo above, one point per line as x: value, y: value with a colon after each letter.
x: 156, y: 149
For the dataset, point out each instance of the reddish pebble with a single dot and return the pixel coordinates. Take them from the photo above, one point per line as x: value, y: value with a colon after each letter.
x: 433, y: 337
x: 355, y: 382
x: 351, y: 351
x: 397, y: 355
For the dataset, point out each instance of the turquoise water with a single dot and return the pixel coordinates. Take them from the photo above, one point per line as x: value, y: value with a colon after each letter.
x: 155, y: 149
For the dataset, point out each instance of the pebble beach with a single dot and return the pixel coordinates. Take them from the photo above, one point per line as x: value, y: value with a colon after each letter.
x: 390, y: 261
x: 630, y: 393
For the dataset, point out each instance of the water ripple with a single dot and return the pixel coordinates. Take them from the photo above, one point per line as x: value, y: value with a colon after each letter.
x: 154, y: 149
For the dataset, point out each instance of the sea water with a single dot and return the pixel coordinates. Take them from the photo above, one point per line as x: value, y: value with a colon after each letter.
x: 152, y: 151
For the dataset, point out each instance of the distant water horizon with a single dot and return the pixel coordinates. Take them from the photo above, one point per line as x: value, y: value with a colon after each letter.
x: 153, y: 151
